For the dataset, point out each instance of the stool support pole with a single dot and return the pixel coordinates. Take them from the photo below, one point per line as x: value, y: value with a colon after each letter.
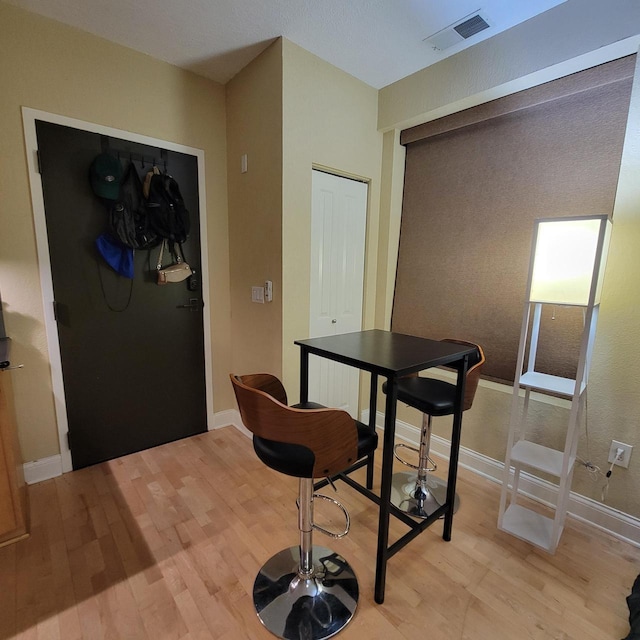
x: 305, y: 525
x: 297, y: 599
x: 425, y: 446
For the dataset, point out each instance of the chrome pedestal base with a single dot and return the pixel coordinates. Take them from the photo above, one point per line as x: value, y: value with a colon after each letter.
x: 419, y: 500
x: 312, y: 608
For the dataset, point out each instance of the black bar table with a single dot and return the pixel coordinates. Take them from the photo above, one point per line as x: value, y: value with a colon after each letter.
x: 393, y: 355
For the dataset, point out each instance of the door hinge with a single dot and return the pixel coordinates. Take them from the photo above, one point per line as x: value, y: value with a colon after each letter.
x: 69, y: 440
x: 55, y: 310
x: 38, y: 162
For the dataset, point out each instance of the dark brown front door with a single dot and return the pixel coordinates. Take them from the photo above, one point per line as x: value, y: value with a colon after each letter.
x: 132, y: 351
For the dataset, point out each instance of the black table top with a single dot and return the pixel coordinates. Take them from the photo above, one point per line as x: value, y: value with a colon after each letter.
x: 384, y: 352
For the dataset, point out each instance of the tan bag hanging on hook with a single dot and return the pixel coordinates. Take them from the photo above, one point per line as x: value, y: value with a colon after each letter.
x: 176, y: 272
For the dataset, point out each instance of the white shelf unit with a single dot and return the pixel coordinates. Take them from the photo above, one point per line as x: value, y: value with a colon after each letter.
x: 533, y: 458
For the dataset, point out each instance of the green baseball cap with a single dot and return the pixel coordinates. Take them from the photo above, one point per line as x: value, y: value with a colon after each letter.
x: 105, y: 175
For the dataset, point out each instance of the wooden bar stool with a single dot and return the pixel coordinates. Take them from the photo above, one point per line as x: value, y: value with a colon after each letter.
x: 303, y: 592
x: 420, y: 494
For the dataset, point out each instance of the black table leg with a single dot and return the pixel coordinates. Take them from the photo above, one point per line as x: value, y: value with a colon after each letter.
x: 385, y: 489
x: 455, y: 447
x: 304, y: 375
x: 373, y: 407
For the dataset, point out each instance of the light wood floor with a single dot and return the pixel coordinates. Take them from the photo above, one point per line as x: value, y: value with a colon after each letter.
x: 166, y: 544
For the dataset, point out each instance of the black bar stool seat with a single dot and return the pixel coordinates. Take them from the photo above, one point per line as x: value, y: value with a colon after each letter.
x: 428, y: 395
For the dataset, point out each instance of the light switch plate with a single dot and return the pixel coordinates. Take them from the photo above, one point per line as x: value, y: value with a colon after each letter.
x: 257, y: 294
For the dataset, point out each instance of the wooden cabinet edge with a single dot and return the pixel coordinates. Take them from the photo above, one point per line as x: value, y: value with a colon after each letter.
x: 11, y: 471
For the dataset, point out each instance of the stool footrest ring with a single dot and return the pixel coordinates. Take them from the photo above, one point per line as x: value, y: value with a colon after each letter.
x: 347, y: 523
x: 399, y: 458
x: 326, y: 532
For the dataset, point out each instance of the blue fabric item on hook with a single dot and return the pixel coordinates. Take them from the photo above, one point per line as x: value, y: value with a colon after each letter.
x: 117, y: 256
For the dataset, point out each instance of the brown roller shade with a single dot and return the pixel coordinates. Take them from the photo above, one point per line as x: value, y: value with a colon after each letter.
x: 473, y: 187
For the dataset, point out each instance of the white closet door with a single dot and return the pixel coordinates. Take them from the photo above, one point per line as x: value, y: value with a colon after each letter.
x: 338, y: 226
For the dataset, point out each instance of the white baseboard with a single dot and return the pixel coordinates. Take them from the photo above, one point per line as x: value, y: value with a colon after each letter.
x: 226, y: 418
x: 43, y: 469
x: 620, y: 525
x: 233, y: 419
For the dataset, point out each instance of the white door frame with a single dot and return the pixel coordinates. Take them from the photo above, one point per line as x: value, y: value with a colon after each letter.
x: 29, y: 117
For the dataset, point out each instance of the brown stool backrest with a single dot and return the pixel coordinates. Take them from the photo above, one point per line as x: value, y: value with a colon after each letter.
x: 476, y: 362
x: 331, y: 434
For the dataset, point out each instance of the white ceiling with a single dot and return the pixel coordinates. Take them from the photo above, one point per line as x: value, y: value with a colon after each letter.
x: 377, y: 41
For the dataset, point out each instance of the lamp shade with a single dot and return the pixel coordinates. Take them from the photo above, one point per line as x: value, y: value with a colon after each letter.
x: 568, y: 259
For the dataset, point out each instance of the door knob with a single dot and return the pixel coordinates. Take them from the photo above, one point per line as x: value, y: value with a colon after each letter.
x: 193, y: 304
x: 334, y: 321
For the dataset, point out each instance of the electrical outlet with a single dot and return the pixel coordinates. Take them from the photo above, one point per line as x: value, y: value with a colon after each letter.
x: 619, y: 453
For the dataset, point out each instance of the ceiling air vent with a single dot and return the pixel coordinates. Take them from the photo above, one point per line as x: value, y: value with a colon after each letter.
x: 458, y: 31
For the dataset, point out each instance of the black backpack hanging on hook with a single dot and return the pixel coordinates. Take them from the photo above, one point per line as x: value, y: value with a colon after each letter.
x: 128, y: 217
x: 168, y: 216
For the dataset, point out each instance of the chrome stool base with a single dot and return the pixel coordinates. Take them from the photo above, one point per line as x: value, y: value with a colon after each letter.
x: 296, y: 607
x: 433, y: 496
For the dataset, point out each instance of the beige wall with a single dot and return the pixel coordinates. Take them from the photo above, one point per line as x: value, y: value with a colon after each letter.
x: 289, y: 111
x: 614, y: 402
x: 50, y: 67
x: 254, y: 128
x: 391, y: 192
x: 330, y: 121
x: 494, y: 68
